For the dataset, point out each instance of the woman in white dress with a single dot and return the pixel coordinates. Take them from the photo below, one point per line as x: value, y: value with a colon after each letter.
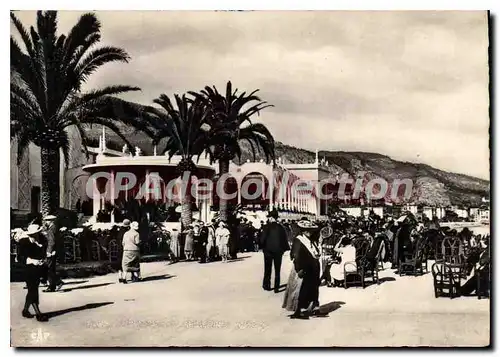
x: 347, y: 253
x: 222, y: 236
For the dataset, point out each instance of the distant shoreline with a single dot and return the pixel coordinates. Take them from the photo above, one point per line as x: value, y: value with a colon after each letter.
x: 475, y: 227
x: 463, y: 224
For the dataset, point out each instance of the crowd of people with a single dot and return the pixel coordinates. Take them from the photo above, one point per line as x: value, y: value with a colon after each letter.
x: 209, y: 241
x: 323, y: 252
x: 329, y: 252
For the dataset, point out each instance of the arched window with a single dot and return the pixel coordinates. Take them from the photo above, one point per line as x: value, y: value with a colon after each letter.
x: 254, y: 189
x: 71, y: 249
x: 113, y: 251
x: 95, y: 251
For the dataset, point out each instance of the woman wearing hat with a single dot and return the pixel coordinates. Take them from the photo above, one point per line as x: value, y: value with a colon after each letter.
x: 302, y: 295
x: 222, y: 236
x: 119, y: 264
x: 131, y: 253
x: 189, y: 242
x: 32, y: 253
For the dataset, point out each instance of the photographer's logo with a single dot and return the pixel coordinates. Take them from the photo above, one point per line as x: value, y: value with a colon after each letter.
x: 39, y: 336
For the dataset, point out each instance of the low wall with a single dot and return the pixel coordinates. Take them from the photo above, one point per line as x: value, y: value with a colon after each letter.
x: 460, y: 224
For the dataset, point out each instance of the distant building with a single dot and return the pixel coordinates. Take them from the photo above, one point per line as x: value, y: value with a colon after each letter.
x: 461, y: 212
x: 411, y: 208
x: 474, y: 213
x: 484, y: 215
x: 430, y: 212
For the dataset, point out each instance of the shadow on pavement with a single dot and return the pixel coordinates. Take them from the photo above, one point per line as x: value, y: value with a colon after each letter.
x: 157, y: 277
x: 380, y: 281
x: 85, y: 287
x: 238, y: 259
x: 388, y: 278
x: 331, y: 306
x: 76, y: 282
x: 78, y: 308
x: 282, y: 288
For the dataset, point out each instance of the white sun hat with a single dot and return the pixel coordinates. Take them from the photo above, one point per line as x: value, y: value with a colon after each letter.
x: 33, y: 229
x: 304, y: 224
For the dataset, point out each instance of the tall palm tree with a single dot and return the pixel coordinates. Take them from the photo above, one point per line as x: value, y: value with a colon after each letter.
x: 47, y: 75
x: 185, y: 130
x: 230, y: 123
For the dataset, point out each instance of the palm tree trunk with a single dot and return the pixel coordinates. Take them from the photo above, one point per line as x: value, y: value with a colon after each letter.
x: 223, y: 169
x: 50, y: 180
x: 186, y: 212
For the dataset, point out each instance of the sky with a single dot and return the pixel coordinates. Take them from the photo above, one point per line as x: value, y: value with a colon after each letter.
x: 410, y: 85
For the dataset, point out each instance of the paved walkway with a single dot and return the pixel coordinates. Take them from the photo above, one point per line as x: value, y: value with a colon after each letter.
x: 188, y: 304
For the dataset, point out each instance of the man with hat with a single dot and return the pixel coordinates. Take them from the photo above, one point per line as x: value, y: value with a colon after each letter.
x: 200, y: 234
x: 211, y: 247
x: 274, y: 243
x: 49, y: 230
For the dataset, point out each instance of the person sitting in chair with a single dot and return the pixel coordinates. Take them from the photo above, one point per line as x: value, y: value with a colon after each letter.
x: 377, y: 251
x: 481, y: 273
x: 347, y: 253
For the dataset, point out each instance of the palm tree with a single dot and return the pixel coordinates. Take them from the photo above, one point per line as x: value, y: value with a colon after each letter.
x: 186, y: 133
x: 47, y: 76
x: 227, y: 115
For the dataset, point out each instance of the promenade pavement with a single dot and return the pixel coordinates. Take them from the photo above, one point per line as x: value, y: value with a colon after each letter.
x: 217, y: 304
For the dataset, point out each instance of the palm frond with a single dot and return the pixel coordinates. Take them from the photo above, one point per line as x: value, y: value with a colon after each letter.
x: 226, y: 114
x: 98, y: 57
x: 182, y: 124
x: 23, y: 33
x: 83, y: 34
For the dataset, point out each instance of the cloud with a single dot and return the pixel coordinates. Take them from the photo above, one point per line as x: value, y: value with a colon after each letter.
x: 412, y: 85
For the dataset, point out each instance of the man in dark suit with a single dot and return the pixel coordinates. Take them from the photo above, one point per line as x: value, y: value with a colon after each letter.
x: 274, y: 243
x: 54, y: 282
x: 201, y: 239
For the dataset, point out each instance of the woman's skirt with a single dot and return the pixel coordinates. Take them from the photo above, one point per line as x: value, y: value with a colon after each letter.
x: 223, y: 249
x: 131, y: 261
x: 32, y: 278
x: 188, y: 245
x: 309, y: 292
x: 174, y: 245
x: 291, y: 298
x: 395, y: 252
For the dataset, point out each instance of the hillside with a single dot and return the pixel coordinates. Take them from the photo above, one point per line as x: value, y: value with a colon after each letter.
x: 431, y: 186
